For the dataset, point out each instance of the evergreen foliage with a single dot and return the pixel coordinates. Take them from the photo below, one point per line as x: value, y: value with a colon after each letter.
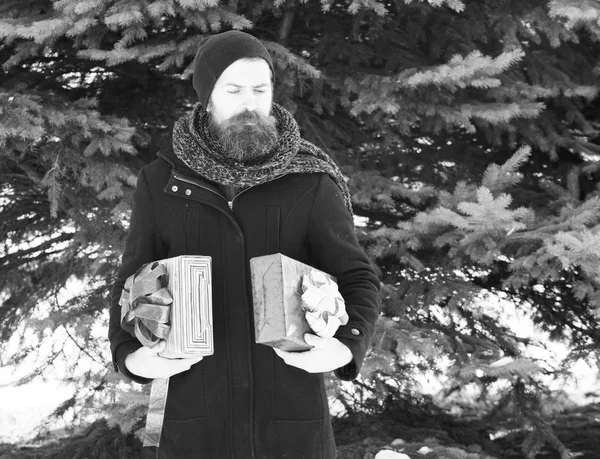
x: 97, y: 441
x: 470, y: 135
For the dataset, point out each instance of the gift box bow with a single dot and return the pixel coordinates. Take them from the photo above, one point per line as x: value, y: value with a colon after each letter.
x: 146, y: 304
x: 324, y: 306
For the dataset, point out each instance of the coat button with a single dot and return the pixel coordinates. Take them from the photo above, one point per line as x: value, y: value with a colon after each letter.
x: 188, y: 192
x: 355, y: 331
x: 174, y: 188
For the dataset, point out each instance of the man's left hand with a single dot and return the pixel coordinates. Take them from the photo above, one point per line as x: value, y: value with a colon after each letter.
x: 328, y: 354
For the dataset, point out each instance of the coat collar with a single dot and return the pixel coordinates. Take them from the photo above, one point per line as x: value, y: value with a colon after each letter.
x: 178, y: 165
x: 187, y: 184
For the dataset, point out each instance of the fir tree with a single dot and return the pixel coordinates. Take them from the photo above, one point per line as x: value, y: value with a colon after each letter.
x: 468, y: 130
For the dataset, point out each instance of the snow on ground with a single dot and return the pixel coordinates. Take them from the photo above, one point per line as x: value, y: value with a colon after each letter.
x: 23, y: 408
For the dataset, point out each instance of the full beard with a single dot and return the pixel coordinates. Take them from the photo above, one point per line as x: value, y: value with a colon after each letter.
x: 247, y: 143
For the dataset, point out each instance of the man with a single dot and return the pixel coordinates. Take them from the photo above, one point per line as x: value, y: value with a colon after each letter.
x: 242, y: 183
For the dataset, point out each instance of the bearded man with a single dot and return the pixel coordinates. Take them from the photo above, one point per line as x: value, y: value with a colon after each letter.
x: 241, y: 183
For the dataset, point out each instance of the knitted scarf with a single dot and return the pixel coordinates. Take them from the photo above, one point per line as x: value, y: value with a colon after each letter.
x: 196, y: 146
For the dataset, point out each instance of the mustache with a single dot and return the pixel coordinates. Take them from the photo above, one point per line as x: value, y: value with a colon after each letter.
x: 246, y: 116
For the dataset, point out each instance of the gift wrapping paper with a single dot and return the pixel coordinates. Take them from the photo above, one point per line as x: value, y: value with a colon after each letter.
x: 171, y: 299
x: 280, y: 312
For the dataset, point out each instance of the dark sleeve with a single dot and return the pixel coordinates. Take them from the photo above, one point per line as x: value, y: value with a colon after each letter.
x: 143, y: 245
x: 334, y: 248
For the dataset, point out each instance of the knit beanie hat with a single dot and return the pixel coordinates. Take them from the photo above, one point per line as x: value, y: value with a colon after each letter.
x: 217, y: 52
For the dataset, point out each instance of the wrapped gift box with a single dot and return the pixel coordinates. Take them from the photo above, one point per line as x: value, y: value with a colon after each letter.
x: 279, y: 319
x: 186, y: 325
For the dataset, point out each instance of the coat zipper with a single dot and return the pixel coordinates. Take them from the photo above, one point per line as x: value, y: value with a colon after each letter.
x: 251, y: 376
x: 251, y: 186
x: 243, y: 191
x: 229, y: 203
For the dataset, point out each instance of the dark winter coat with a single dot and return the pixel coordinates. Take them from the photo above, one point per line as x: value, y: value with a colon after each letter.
x: 244, y: 402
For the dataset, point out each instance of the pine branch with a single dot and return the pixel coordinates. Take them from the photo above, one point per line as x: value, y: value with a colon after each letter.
x: 21, y: 255
x: 93, y: 358
x: 498, y: 178
x: 456, y: 5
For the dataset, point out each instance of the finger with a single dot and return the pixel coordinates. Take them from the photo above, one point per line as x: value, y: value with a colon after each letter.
x: 184, y: 360
x: 191, y: 359
x: 159, y: 347
x: 289, y: 358
x: 195, y: 360
x: 280, y: 353
x: 180, y: 365
x: 314, y: 340
x: 295, y: 359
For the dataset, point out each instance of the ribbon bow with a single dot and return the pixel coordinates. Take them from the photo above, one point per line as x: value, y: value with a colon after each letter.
x: 324, y: 307
x: 145, y: 304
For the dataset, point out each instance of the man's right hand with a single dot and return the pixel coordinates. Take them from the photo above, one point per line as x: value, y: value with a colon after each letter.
x: 146, y: 362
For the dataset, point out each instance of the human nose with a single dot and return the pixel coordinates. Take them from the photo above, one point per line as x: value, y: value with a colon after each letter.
x: 250, y: 102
